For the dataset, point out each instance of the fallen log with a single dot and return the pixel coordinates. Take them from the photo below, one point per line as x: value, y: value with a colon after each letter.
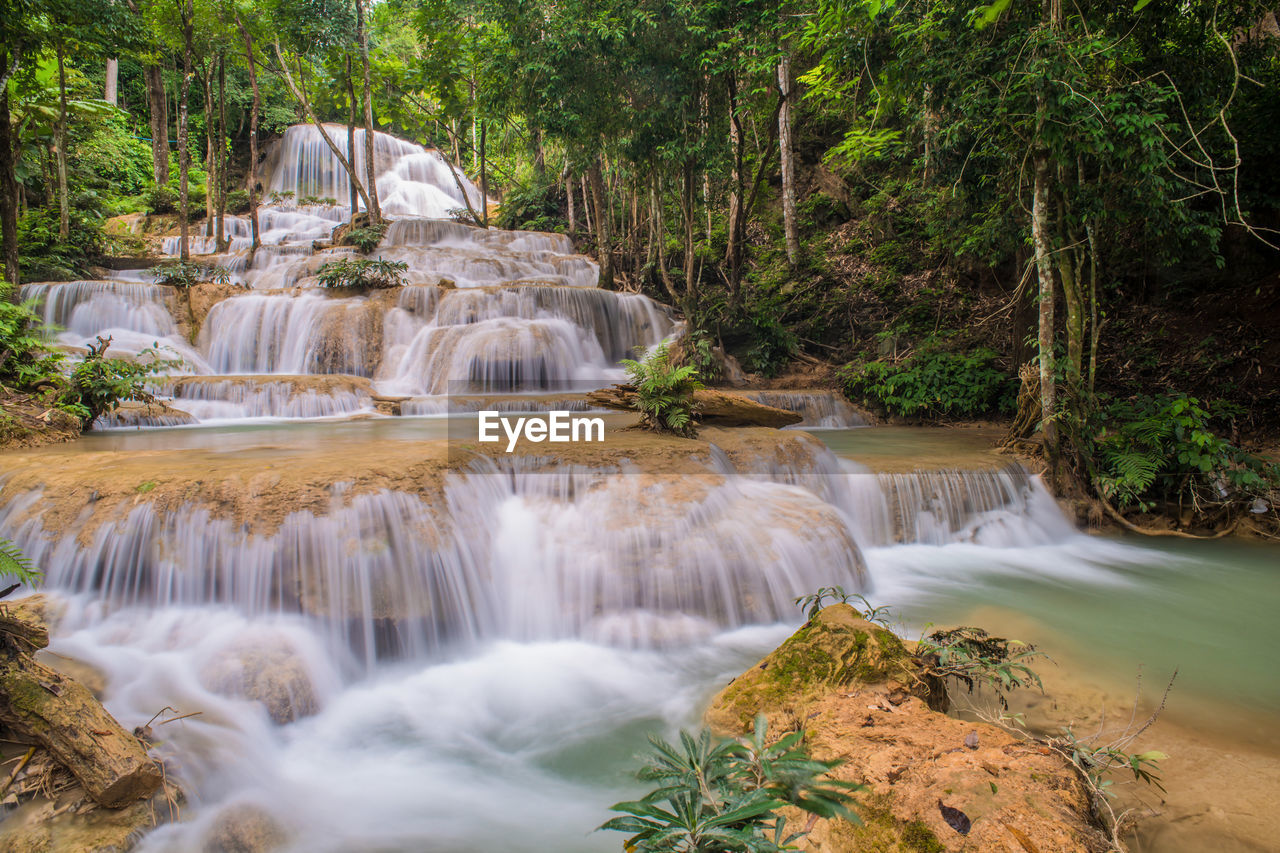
x: 63, y: 716
x: 714, y: 407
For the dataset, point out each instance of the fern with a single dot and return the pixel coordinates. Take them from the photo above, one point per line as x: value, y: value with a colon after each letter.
x: 15, y: 564
x: 664, y: 392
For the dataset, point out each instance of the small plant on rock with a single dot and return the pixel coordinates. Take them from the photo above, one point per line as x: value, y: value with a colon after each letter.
x: 366, y: 238
x: 98, y: 385
x: 973, y: 657
x: 664, y: 392
x: 725, y: 797
x: 363, y: 274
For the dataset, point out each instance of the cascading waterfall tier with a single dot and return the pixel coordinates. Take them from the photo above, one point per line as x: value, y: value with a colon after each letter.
x: 483, y: 311
x: 404, y: 560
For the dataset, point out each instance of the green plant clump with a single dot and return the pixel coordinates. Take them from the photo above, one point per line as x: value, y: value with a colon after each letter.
x: 724, y: 797
x: 98, y: 385
x: 664, y: 392
x: 932, y: 384
x: 363, y: 274
x: 1153, y: 449
x: 972, y: 657
x: 366, y: 238
x: 25, y: 360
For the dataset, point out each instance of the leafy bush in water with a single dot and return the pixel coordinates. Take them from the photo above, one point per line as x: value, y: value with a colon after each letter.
x: 664, y: 392
x: 365, y: 238
x: 973, y: 657
x: 184, y: 274
x: 721, y: 797
x: 1152, y: 449
x: 932, y: 384
x: 99, y: 385
x: 363, y: 273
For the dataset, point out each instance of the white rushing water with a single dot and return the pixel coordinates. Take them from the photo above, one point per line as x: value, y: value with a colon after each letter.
x: 419, y: 659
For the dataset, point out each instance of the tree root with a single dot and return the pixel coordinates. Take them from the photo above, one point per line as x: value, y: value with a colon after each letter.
x: 1150, y: 531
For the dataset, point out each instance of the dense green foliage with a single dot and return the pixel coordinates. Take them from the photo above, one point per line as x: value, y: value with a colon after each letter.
x: 363, y: 273
x: 98, y: 385
x: 1166, y: 450
x: 932, y: 384
x: 25, y: 360
x: 366, y: 237
x: 724, y: 797
x: 664, y: 392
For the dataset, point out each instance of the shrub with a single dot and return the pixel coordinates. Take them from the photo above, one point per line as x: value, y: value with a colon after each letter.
x: 99, y: 385
x: 366, y: 238
x: 238, y: 201
x: 184, y: 274
x: 720, y: 797
x: 45, y: 256
x: 532, y: 208
x: 162, y: 200
x: 972, y: 657
x: 664, y: 392
x: 25, y: 360
x: 1152, y: 449
x: 363, y: 273
x: 932, y: 384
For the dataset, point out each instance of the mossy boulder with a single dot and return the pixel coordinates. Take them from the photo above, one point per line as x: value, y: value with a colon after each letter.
x: 834, y: 650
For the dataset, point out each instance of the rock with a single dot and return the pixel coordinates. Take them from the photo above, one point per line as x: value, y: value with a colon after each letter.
x: 245, y: 829
x: 836, y: 650
x: 856, y: 690
x: 133, y: 413
x: 274, y: 676
x: 72, y: 823
x: 715, y: 407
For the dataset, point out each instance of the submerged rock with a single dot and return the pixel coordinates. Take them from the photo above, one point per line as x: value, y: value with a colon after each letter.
x: 245, y: 829
x: 275, y: 677
x: 859, y: 694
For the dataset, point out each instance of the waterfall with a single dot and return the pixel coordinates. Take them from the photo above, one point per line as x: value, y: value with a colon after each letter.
x: 209, y: 398
x: 820, y: 409
x: 85, y: 309
x: 411, y: 180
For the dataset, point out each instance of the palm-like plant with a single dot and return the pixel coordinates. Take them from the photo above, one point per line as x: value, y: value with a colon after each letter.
x: 723, y: 797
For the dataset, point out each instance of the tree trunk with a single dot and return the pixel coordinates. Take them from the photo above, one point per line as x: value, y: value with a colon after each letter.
x: 210, y: 153
x: 586, y: 208
x: 62, y: 715
x: 1044, y: 270
x: 353, y: 108
x: 159, y: 103
x: 737, y: 145
x: 604, y: 247
x: 660, y: 236
x: 687, y: 194
x: 111, y: 89
x: 790, y: 227
x: 568, y: 191
x: 8, y: 186
x: 362, y: 31
x: 184, y: 150
x: 305, y: 102
x: 223, y: 243
x: 60, y: 130
x: 484, y: 174
x: 253, y: 138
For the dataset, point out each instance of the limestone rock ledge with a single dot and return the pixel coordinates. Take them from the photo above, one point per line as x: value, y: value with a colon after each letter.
x: 858, y: 693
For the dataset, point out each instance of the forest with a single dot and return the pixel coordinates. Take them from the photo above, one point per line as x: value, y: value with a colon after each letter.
x: 1061, y: 216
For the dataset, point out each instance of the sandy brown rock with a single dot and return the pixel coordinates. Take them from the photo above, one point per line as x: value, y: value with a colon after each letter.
x: 715, y: 407
x: 27, y: 421
x: 856, y: 694
x: 73, y: 823
x: 245, y: 829
x: 276, y: 677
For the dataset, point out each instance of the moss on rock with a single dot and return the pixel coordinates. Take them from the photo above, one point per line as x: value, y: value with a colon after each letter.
x: 835, y: 649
